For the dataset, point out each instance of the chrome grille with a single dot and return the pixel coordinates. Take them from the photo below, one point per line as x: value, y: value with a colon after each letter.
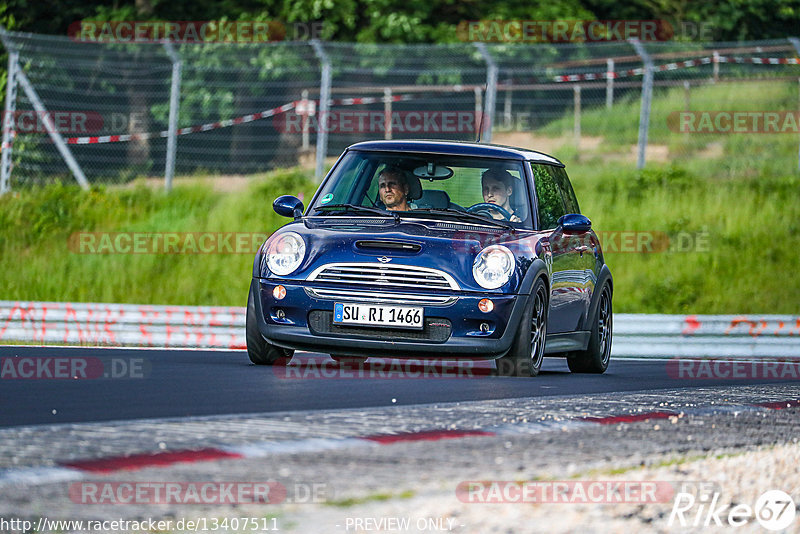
x: 383, y: 276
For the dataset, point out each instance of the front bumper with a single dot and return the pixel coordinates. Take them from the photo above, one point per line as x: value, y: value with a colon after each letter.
x: 451, y: 331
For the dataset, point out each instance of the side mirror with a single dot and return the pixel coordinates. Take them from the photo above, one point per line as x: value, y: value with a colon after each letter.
x: 575, y: 223
x: 288, y: 206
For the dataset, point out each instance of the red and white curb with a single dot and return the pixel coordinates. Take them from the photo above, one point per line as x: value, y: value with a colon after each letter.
x: 639, y: 71
x: 79, y: 469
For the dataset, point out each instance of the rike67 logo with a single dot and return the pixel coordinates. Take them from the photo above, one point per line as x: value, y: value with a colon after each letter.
x: 774, y: 510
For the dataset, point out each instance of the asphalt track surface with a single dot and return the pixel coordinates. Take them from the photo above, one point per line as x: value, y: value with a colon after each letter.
x: 176, y: 383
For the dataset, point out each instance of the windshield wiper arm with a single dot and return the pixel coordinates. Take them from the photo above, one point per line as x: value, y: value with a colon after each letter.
x: 466, y: 216
x: 356, y: 207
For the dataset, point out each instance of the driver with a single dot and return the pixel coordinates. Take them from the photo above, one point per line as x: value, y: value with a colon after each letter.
x: 497, y: 189
x: 393, y: 189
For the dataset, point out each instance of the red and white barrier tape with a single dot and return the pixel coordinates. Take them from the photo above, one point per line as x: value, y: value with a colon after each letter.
x: 10, y: 143
x: 230, y: 122
x: 369, y: 100
x: 639, y: 71
x: 761, y: 60
x: 182, y: 131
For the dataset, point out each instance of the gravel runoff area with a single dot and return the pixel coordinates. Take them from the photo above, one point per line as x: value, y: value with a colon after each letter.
x: 720, y: 452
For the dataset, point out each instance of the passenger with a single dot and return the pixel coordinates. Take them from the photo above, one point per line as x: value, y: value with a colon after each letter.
x: 498, y: 187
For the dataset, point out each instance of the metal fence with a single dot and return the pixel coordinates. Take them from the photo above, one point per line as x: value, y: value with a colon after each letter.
x: 635, y: 335
x: 109, y: 112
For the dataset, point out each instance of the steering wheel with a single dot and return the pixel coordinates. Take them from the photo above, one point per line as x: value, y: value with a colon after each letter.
x: 489, y: 207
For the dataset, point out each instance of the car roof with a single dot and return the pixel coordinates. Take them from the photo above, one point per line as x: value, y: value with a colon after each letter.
x: 460, y: 148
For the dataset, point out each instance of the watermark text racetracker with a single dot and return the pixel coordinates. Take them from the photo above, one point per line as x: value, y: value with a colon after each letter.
x: 613, y: 241
x: 580, y: 31
x: 198, y: 31
x: 563, y: 31
x: 379, y: 121
x: 380, y: 369
x: 564, y: 492
x: 640, y: 242
x: 166, y: 242
x: 72, y: 368
x: 65, y: 122
x: 734, y: 122
x: 198, y: 492
x: 716, y: 368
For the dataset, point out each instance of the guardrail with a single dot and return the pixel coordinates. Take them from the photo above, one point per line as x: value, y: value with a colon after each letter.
x: 122, y: 324
x: 635, y: 335
x: 712, y: 336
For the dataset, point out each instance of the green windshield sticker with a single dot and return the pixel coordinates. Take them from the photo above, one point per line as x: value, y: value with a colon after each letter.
x: 327, y: 198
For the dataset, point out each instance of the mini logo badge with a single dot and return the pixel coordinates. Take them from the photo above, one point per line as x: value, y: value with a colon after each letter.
x: 384, y: 259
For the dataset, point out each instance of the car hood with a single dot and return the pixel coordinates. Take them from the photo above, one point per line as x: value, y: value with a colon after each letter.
x: 446, y: 245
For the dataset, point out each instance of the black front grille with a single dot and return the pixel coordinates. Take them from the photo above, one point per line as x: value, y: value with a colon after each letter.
x: 436, y: 330
x: 388, y: 245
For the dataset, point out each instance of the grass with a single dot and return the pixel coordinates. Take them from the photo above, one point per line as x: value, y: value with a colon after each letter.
x: 750, y: 229
x: 733, y: 221
x: 37, y: 262
x: 720, y: 155
x: 741, y: 239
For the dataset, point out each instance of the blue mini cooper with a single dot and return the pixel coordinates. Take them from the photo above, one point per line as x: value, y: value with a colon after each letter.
x: 434, y: 249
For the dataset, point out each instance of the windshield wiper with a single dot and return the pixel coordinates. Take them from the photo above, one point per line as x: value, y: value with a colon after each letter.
x: 466, y: 216
x: 357, y: 208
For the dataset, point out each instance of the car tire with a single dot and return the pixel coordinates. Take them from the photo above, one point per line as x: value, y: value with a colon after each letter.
x: 596, y: 357
x: 527, y: 351
x: 259, y: 351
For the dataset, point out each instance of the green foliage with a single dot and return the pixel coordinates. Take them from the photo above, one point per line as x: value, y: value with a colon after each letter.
x: 725, y: 253
x: 415, y: 21
x: 722, y: 155
x: 39, y: 258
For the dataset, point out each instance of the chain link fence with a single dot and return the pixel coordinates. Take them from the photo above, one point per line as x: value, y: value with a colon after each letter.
x: 111, y: 112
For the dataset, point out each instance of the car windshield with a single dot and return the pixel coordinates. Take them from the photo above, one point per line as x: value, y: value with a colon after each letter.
x: 427, y: 185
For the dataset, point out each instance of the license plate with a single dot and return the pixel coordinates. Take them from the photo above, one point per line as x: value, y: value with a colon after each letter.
x: 377, y: 315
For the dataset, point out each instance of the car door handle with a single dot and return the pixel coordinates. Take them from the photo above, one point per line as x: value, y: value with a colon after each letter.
x: 582, y: 249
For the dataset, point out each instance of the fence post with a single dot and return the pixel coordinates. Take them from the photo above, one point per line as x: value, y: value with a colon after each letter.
x: 647, y: 96
x: 387, y: 112
x: 324, y: 103
x: 491, y: 91
x: 174, y: 108
x: 8, y: 122
x: 609, y: 83
x: 796, y: 44
x: 716, y: 66
x: 54, y: 134
x: 478, y: 111
x: 687, y: 102
x: 304, y: 98
x: 687, y: 95
x: 576, y: 125
x: 507, y: 107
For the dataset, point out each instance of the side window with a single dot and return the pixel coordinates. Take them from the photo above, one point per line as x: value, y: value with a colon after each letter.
x: 550, y: 203
x: 560, y: 177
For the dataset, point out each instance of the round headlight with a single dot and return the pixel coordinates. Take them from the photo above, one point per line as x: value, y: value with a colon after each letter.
x: 493, y: 266
x: 285, y: 252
